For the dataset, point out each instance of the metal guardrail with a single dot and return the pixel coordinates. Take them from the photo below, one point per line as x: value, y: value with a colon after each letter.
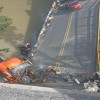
x: 98, y: 42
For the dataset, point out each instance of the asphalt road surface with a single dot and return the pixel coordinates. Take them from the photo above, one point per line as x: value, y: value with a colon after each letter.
x: 71, y: 40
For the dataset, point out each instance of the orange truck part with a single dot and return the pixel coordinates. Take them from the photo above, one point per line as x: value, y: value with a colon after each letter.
x: 11, y: 63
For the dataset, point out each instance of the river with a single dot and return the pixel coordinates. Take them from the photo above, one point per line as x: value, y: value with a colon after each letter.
x: 38, y: 13
x: 28, y: 17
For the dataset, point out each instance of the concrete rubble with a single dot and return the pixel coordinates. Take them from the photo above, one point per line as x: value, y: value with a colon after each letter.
x: 77, y: 77
x: 89, y: 80
x: 91, y: 87
x: 93, y: 84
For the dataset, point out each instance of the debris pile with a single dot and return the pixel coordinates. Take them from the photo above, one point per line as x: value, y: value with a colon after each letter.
x: 93, y: 84
x: 90, y: 80
x: 36, y: 75
x: 77, y: 77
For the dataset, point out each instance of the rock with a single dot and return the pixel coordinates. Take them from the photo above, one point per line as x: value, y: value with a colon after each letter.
x: 86, y: 85
x: 92, y: 86
x: 92, y: 89
x: 51, y: 17
x: 66, y: 78
x: 98, y: 74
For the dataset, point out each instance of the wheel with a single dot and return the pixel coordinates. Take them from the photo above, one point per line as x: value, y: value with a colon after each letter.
x: 25, y: 80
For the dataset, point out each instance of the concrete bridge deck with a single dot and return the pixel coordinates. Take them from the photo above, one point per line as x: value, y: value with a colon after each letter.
x: 71, y: 40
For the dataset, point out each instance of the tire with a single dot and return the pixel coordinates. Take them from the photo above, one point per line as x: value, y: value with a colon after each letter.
x: 25, y: 80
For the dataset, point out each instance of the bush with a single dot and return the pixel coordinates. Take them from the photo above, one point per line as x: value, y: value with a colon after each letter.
x: 1, y: 7
x: 6, y: 50
x: 4, y: 22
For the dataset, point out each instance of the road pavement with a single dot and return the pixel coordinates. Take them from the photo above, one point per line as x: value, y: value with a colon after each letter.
x: 71, y: 40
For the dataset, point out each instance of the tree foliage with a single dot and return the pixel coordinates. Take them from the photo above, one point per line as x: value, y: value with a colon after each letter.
x: 5, y: 50
x: 4, y: 21
x: 1, y: 8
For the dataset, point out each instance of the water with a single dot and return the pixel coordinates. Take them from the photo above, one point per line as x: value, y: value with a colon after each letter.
x: 38, y: 13
x: 28, y: 17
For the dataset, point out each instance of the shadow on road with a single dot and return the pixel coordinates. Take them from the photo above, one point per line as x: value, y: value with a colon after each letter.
x: 86, y: 40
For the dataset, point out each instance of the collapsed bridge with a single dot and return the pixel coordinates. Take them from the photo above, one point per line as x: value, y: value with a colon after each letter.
x: 71, y: 39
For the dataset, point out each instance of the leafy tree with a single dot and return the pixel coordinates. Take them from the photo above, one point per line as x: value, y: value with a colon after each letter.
x: 4, y: 23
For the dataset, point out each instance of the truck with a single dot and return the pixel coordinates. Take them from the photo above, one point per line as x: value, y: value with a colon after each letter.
x: 15, y: 70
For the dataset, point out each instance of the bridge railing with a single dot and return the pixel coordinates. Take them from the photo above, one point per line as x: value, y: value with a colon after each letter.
x: 98, y: 43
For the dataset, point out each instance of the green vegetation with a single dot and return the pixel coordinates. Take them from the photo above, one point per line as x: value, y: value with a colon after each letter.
x: 1, y: 8
x: 4, y: 21
x: 5, y: 50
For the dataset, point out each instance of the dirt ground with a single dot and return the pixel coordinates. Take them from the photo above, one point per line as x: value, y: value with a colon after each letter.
x: 11, y: 37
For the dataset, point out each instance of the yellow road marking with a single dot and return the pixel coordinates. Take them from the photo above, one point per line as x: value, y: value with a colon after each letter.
x: 64, y: 40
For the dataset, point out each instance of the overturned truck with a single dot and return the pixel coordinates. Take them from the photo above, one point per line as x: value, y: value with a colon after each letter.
x: 15, y: 70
